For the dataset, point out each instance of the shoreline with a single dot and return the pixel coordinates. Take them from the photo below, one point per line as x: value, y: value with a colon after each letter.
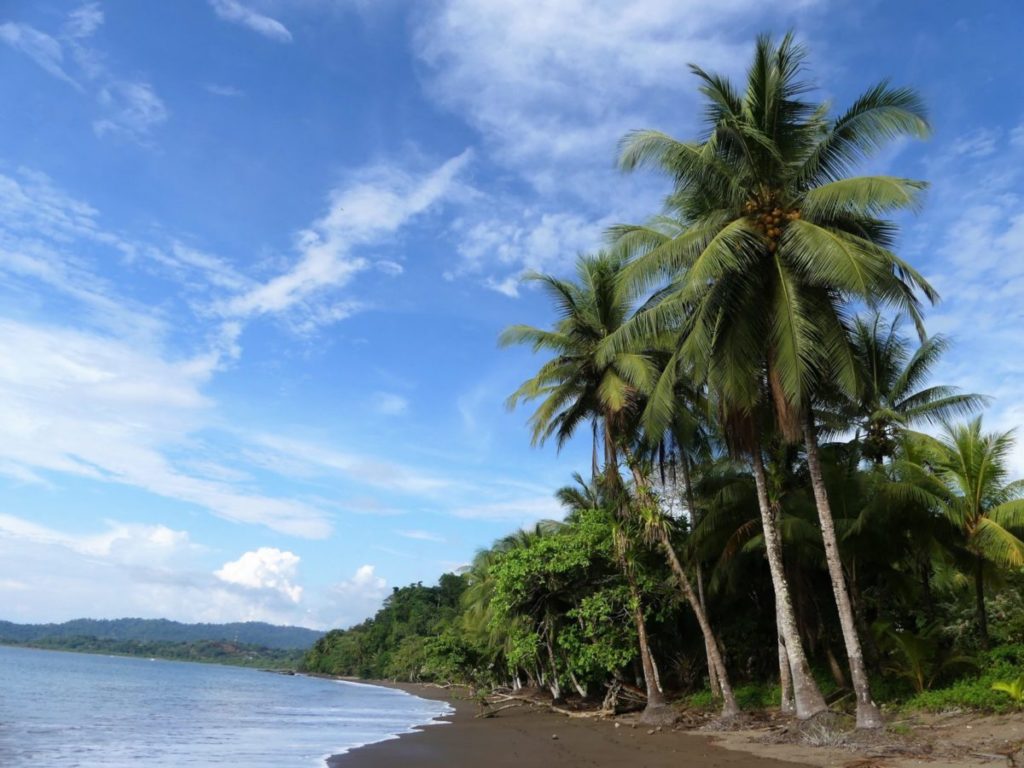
x: 528, y: 735
x: 532, y: 736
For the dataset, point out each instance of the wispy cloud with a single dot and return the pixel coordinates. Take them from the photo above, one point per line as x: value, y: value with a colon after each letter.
x: 301, y: 458
x: 97, y: 407
x: 372, y: 206
x: 237, y: 13
x: 969, y: 242
x: 228, y: 91
x: 389, y: 404
x: 84, y: 21
x: 520, y: 511
x: 43, y: 49
x: 416, y: 535
x: 551, y: 92
x: 133, y: 109
x: 129, y: 107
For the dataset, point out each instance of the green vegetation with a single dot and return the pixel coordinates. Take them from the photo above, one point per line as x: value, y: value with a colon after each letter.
x: 162, y: 630
x: 209, y: 651
x: 763, y: 522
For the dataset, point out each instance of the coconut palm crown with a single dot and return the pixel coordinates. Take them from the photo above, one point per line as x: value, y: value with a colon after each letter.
x: 892, y: 395
x: 768, y: 241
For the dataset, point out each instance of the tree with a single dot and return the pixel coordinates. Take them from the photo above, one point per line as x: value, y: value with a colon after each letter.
x: 777, y: 243
x: 575, y: 387
x: 965, y: 473
x: 892, y: 395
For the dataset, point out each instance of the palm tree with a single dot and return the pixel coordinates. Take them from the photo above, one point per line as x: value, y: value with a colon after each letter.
x: 777, y: 242
x: 574, y: 387
x: 892, y: 396
x: 965, y: 473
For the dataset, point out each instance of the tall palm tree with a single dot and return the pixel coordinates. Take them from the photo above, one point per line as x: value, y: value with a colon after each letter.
x: 777, y: 243
x: 892, y: 395
x: 574, y: 387
x: 965, y: 473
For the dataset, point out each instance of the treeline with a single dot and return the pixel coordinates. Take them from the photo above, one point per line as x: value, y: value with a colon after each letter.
x: 163, y: 630
x: 781, y: 506
x: 209, y: 651
x: 415, y: 636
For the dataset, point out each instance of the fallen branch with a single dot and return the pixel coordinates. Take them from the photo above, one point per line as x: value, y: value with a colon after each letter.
x: 493, y: 712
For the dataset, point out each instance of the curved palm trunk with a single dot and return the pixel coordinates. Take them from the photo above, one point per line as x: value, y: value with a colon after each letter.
x: 711, y: 649
x: 868, y: 714
x: 717, y: 674
x: 556, y: 689
x: 806, y: 695
x: 786, y: 704
x: 716, y: 665
x: 654, y: 698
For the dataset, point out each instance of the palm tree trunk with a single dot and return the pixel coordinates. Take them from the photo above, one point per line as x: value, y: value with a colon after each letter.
x: 786, y: 705
x: 868, y: 714
x: 654, y: 698
x: 713, y: 678
x: 979, y: 596
x: 716, y: 665
x: 556, y: 690
x: 806, y: 694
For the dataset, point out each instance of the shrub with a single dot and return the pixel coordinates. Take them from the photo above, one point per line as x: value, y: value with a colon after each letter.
x: 976, y: 692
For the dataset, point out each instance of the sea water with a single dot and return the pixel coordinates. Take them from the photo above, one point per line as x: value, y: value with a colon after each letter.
x: 88, y: 711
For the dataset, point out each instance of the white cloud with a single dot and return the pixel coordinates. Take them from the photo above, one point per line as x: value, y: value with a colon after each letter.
x: 504, y: 248
x: 559, y: 79
x: 97, y: 407
x: 358, y: 597
x: 235, y: 12
x: 43, y: 49
x: 375, y: 204
x: 389, y: 404
x: 121, y: 542
x: 152, y: 572
x: 266, y: 568
x: 422, y: 536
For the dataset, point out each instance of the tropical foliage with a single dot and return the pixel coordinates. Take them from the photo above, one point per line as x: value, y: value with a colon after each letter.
x: 766, y: 507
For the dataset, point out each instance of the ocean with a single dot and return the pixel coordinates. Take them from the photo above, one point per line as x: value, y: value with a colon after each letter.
x: 91, y: 711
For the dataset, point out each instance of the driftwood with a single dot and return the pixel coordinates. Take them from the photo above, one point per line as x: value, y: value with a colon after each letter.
x: 493, y: 712
x: 511, y: 700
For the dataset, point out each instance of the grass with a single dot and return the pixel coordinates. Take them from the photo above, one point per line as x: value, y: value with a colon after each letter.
x: 969, y: 692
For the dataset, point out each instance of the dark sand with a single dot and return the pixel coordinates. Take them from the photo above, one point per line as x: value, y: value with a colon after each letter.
x: 522, y: 736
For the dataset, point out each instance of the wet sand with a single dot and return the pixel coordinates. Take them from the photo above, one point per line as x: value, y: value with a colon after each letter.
x: 526, y: 736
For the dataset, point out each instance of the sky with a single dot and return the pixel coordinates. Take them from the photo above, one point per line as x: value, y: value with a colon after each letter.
x: 255, y: 256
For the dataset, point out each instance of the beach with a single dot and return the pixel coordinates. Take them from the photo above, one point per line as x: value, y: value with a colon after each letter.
x: 530, y: 736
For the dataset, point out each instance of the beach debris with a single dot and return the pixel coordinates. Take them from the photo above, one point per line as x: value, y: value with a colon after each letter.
x: 554, y: 736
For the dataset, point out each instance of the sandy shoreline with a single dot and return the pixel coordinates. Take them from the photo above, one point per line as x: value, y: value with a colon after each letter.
x: 526, y: 736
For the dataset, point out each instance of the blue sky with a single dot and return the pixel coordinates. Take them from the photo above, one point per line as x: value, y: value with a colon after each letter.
x: 255, y: 255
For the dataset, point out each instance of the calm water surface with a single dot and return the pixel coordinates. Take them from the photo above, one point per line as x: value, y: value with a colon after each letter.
x: 69, y: 709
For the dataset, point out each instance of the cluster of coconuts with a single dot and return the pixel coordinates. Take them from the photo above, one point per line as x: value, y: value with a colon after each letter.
x: 770, y: 221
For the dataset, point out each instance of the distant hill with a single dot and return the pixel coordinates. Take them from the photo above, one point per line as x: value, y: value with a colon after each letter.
x: 163, y: 631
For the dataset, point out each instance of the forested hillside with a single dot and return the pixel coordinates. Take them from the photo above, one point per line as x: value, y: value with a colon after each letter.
x: 163, y: 631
